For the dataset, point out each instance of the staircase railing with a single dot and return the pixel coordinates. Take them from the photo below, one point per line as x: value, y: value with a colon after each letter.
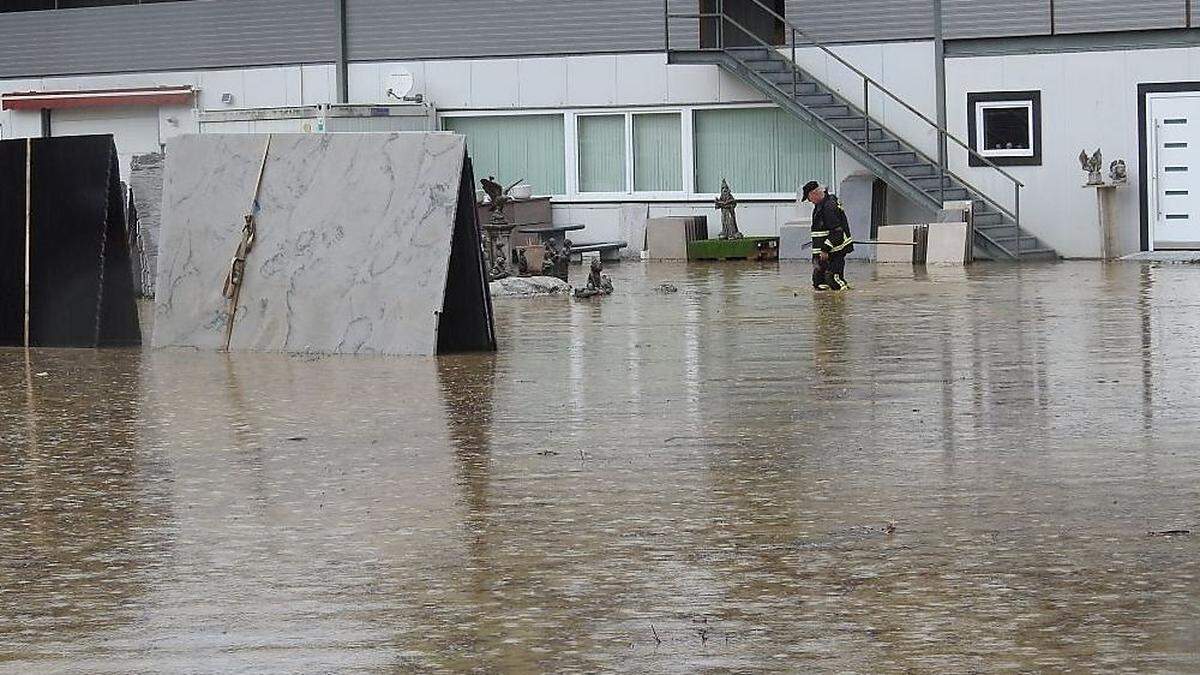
x: 943, y: 134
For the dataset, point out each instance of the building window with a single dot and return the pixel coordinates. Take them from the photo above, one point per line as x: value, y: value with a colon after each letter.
x: 644, y: 149
x: 758, y: 150
x: 657, y: 153
x: 516, y: 147
x: 602, y: 153
x: 1005, y: 127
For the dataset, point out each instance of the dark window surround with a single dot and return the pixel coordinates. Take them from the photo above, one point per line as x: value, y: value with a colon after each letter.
x: 1143, y: 142
x: 1035, y: 97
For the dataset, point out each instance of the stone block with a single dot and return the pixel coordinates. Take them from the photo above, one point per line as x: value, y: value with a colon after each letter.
x: 895, y: 254
x: 947, y: 244
x: 667, y: 238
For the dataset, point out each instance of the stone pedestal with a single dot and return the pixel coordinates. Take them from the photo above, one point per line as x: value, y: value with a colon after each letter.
x: 1106, y: 218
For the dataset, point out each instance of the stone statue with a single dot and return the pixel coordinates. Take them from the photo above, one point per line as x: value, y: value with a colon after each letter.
x: 1117, y: 172
x: 497, y: 196
x: 556, y: 261
x: 726, y: 203
x: 597, y: 283
x: 498, y: 229
x: 1092, y: 166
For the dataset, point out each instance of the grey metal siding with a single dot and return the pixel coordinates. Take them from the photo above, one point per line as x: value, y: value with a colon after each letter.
x: 1085, y: 16
x: 167, y: 36
x: 862, y: 20
x: 423, y: 29
x: 975, y: 19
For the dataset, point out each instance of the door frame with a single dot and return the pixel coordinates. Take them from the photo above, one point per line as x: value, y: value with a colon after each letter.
x: 1143, y: 117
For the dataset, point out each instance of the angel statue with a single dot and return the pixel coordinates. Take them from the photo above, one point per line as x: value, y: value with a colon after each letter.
x: 497, y: 196
x: 1092, y: 166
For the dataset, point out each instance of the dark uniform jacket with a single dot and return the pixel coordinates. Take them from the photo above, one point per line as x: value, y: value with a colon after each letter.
x: 830, y: 229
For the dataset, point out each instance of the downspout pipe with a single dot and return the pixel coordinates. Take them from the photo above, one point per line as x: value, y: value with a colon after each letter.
x: 342, y: 86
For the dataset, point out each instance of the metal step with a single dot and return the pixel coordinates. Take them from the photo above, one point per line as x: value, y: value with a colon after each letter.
x: 916, y: 170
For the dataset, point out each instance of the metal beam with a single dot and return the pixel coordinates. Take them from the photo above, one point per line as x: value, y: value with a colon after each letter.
x: 342, y: 79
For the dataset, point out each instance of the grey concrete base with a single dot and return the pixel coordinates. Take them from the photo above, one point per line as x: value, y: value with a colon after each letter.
x: 353, y: 246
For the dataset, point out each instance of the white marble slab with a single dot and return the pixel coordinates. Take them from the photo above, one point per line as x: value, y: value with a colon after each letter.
x: 947, y: 244
x: 354, y: 236
x: 895, y: 254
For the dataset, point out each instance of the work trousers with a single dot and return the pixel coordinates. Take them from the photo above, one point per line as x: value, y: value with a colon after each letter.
x: 831, y: 274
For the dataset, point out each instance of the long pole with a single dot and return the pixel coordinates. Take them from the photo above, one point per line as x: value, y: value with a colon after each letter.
x: 28, y: 225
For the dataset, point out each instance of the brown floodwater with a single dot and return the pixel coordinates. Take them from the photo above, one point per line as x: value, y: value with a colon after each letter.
x: 940, y: 471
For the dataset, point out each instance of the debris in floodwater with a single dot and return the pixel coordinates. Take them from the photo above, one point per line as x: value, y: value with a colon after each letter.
x: 547, y: 453
x: 667, y: 287
x: 295, y: 439
x: 1168, y: 533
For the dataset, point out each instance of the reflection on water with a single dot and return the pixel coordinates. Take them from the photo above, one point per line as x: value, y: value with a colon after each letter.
x: 645, y: 483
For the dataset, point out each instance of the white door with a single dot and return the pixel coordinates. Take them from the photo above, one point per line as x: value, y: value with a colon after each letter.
x: 134, y: 128
x: 1174, y: 161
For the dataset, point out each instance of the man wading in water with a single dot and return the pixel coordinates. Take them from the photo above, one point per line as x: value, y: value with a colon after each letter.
x: 831, y: 239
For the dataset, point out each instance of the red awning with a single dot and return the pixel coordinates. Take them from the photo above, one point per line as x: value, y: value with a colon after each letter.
x: 98, y: 98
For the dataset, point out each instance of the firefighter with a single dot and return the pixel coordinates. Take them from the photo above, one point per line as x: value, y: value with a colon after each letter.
x: 831, y: 238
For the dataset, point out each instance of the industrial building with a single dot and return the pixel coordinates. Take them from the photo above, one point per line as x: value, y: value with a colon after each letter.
x: 622, y: 109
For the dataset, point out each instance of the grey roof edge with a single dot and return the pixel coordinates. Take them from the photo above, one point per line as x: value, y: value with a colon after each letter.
x: 1076, y: 42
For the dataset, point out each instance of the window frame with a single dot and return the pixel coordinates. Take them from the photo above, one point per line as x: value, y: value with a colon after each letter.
x: 978, y: 102
x: 627, y: 176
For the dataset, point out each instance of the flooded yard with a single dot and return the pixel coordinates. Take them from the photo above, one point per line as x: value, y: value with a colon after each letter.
x: 942, y: 470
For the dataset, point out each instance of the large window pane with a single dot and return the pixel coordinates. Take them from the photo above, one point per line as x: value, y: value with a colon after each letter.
x: 516, y: 147
x: 758, y: 150
x: 657, y: 153
x: 602, y: 153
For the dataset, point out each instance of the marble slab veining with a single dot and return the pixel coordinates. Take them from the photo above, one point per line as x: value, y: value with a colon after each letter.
x: 353, y: 243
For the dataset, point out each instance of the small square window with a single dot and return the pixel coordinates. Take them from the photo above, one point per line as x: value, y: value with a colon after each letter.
x: 1005, y: 127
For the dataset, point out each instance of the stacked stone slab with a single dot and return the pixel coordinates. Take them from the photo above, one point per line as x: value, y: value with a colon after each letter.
x: 64, y: 257
x: 366, y: 244
x: 145, y: 183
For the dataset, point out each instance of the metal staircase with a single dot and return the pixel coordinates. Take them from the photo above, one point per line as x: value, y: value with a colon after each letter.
x: 924, y: 180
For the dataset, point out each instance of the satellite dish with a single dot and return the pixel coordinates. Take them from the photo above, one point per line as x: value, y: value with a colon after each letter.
x: 399, y: 84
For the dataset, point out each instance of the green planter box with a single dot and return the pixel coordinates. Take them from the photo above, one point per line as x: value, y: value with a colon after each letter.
x: 747, y: 248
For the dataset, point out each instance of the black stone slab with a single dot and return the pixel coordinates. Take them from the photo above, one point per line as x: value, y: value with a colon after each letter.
x: 466, y: 322
x: 81, y: 287
x: 12, y: 243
